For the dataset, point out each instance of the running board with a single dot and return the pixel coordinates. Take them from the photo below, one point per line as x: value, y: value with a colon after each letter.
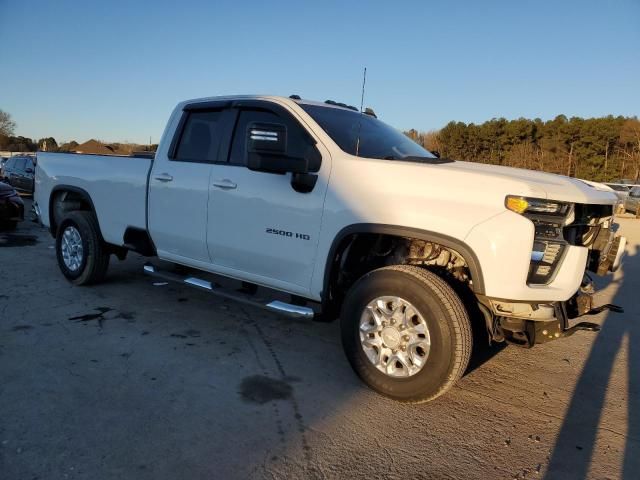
x: 287, y: 309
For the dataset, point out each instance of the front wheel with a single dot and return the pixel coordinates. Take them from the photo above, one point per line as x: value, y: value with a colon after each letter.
x: 406, y: 333
x: 82, y: 256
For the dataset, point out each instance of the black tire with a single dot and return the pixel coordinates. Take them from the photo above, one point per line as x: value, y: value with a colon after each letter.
x: 8, y: 226
x: 95, y: 259
x: 445, y: 316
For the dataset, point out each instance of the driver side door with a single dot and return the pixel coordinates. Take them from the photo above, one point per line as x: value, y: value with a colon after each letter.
x: 260, y: 228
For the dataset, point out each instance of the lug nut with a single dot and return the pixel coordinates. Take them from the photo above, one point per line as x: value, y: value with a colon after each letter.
x: 406, y: 338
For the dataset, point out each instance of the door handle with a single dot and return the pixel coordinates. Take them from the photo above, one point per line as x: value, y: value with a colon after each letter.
x: 164, y: 177
x: 224, y: 183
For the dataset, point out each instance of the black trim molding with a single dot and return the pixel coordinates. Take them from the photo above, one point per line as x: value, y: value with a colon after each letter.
x: 400, y: 231
x: 69, y: 188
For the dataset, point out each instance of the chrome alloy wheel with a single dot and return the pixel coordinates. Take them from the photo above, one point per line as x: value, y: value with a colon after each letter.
x: 394, y: 336
x: 72, y: 251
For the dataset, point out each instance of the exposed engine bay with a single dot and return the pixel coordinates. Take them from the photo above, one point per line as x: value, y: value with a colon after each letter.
x: 593, y: 227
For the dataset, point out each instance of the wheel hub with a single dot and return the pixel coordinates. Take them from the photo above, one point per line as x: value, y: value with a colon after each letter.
x: 394, y: 336
x: 390, y: 337
x: 72, y: 250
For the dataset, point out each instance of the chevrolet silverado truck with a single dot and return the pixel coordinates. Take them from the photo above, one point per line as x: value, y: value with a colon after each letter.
x: 335, y: 214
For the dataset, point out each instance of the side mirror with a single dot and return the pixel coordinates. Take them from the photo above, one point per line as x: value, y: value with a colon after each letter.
x: 267, y: 150
x: 29, y: 170
x: 267, y: 138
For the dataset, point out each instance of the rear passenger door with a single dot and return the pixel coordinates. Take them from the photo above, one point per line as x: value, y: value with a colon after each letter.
x: 179, y: 185
x: 16, y: 175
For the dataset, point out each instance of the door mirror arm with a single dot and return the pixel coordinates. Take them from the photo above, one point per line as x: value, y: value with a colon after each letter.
x: 303, y: 182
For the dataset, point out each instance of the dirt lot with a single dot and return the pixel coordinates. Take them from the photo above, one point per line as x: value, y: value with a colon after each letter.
x: 134, y: 380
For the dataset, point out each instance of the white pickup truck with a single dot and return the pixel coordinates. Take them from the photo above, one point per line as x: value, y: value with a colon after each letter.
x: 339, y: 215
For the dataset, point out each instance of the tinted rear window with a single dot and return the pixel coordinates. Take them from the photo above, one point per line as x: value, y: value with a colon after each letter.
x: 20, y: 163
x: 199, y: 141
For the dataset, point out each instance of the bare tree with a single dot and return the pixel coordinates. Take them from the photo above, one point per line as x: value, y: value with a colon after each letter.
x: 7, y: 126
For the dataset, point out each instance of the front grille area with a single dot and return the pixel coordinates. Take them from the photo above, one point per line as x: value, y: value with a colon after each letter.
x: 585, y: 225
x: 551, y: 253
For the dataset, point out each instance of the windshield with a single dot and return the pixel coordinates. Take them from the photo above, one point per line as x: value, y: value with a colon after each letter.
x: 377, y: 139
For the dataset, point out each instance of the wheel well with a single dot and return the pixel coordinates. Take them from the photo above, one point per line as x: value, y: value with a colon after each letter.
x: 64, y: 200
x: 356, y: 254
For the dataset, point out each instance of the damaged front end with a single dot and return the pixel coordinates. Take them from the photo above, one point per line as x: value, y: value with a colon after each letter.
x: 529, y: 323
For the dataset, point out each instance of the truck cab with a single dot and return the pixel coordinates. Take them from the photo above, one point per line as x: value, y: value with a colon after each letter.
x: 211, y: 201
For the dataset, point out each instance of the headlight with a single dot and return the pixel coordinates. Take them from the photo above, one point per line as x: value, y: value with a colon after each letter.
x: 549, y: 218
x: 524, y: 205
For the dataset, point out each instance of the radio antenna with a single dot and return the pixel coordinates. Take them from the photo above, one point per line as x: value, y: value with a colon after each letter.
x: 364, y: 83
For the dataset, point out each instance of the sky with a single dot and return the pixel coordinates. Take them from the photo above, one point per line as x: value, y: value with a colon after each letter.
x: 113, y: 70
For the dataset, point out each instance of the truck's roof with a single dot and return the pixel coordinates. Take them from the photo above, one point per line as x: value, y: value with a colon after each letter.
x: 276, y: 98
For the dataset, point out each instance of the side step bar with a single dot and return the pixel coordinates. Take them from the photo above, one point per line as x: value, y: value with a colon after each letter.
x: 287, y: 309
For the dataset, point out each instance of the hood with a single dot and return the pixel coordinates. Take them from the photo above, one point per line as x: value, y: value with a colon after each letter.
x: 531, y: 183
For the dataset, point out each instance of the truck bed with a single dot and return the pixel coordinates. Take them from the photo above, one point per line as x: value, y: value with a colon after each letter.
x: 117, y: 186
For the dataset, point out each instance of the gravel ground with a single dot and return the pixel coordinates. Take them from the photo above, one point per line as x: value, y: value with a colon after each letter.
x: 130, y: 379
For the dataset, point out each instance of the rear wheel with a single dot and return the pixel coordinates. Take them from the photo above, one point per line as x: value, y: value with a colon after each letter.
x: 406, y: 333
x: 82, y: 256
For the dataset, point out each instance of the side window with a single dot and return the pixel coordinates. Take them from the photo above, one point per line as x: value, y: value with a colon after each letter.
x: 200, y: 137
x: 238, y: 155
x: 20, y: 164
x: 10, y: 163
x: 298, y: 140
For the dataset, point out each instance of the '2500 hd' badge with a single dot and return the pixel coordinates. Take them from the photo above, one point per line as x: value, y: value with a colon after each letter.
x: 285, y: 233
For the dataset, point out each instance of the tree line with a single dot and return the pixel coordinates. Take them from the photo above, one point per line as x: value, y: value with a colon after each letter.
x: 11, y: 143
x: 600, y: 149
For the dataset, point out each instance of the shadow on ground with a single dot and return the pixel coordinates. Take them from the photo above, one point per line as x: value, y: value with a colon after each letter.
x: 576, y: 442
